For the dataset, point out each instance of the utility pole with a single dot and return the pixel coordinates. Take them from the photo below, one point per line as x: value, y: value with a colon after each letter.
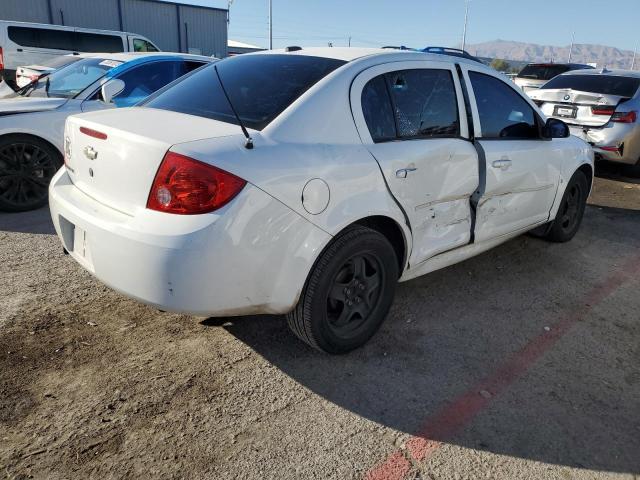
x: 349, y: 41
x: 466, y: 20
x: 573, y: 38
x: 270, y: 25
x: 633, y: 62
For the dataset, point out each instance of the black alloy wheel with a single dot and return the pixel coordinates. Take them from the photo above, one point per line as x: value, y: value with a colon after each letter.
x: 26, y: 168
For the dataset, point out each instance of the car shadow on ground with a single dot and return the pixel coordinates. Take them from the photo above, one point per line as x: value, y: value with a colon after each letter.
x: 577, y: 405
x: 35, y: 221
x: 618, y: 172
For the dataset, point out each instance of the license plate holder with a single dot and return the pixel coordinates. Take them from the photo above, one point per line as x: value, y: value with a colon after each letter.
x: 565, y: 111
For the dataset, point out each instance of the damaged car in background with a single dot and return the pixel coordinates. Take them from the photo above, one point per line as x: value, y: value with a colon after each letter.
x: 600, y: 107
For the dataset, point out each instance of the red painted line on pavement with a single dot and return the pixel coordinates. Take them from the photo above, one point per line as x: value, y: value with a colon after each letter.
x: 457, y: 414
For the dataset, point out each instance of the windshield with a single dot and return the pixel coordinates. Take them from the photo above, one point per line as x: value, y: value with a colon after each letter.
x: 601, y: 84
x: 259, y: 86
x: 69, y: 81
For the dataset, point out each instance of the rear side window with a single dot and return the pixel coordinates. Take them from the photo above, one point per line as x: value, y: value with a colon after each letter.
x: 260, y: 87
x: 424, y: 103
x: 503, y: 112
x: 94, y: 42
x: 408, y: 104
x: 602, y: 84
x: 377, y: 110
x: 42, y: 38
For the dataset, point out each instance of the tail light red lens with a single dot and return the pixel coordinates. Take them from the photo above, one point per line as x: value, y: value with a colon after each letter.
x: 185, y: 186
x: 93, y: 133
x: 605, y: 110
x: 625, y: 117
x: 1, y: 60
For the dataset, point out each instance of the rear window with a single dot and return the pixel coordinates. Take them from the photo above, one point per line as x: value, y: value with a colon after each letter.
x: 96, y: 42
x: 259, y: 86
x: 543, y: 72
x: 601, y: 84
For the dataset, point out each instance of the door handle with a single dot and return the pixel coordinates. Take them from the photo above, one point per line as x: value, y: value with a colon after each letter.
x: 502, y: 164
x: 403, y: 172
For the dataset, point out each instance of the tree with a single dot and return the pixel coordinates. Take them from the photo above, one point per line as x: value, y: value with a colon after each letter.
x: 500, y: 65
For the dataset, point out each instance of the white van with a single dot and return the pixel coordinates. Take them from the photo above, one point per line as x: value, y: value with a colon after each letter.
x: 33, y: 43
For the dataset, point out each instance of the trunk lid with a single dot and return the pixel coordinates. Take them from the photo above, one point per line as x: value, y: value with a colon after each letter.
x: 118, y: 170
x: 576, y: 107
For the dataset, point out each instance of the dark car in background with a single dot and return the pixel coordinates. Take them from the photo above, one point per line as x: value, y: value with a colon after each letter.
x: 534, y: 75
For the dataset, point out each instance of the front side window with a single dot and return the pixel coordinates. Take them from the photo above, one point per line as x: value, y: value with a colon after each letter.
x: 142, y: 81
x: 140, y: 45
x: 419, y: 103
x: 260, y: 87
x: 503, y: 112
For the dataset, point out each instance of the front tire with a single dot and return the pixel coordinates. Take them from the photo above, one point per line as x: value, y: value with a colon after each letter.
x: 27, y: 165
x: 348, y: 293
x: 571, y: 210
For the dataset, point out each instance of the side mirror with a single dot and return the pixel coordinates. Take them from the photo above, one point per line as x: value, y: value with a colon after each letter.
x: 111, y: 89
x: 556, y: 129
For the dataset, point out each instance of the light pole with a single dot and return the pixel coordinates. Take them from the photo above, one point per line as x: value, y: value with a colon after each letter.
x: 270, y: 25
x: 466, y: 19
x: 573, y: 39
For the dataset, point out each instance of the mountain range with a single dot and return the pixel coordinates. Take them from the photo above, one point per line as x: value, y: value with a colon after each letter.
x: 530, y: 52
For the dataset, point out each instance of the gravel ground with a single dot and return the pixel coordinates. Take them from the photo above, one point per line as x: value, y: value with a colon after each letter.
x: 523, y: 362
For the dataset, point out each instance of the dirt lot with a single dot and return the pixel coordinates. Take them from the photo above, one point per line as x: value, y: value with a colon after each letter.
x: 521, y: 363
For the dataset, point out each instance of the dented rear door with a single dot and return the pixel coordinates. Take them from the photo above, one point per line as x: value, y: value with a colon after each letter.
x: 409, y: 116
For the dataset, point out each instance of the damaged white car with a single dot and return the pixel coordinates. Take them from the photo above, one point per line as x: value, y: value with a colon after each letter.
x: 307, y: 182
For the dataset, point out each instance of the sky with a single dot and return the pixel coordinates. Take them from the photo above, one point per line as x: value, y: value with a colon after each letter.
x: 418, y: 23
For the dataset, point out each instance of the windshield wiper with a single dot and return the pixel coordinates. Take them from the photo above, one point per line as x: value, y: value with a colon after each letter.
x: 249, y: 143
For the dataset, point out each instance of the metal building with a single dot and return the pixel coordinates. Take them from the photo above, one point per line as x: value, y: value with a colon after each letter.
x: 173, y: 27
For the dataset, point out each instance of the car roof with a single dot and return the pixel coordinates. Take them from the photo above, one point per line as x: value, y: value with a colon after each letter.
x: 349, y: 54
x: 605, y: 71
x: 561, y: 64
x: 129, y: 56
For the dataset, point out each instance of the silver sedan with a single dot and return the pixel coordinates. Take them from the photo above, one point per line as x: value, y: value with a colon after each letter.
x: 600, y: 106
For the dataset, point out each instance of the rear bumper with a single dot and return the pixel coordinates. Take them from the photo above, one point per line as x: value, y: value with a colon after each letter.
x: 616, y: 143
x: 251, y: 257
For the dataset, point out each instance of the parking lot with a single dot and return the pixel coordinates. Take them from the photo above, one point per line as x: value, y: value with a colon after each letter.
x: 520, y: 363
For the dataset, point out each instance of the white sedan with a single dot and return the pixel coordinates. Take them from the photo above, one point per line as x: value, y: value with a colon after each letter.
x: 32, y: 121
x: 308, y: 182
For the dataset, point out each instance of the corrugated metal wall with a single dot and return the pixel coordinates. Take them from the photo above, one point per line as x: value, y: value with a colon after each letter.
x: 173, y: 27
x: 157, y: 21
x: 204, y: 32
x: 24, y: 10
x: 86, y: 14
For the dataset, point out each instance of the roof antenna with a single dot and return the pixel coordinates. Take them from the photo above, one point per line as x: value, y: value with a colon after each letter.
x: 249, y: 143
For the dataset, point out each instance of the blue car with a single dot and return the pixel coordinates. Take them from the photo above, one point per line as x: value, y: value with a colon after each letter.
x: 32, y: 121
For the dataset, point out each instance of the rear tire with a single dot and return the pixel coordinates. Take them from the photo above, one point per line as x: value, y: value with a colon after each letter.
x: 348, y: 293
x: 27, y: 165
x: 571, y: 211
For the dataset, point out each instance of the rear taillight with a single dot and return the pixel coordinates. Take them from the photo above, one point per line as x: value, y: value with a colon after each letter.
x: 188, y: 187
x: 603, y: 111
x: 625, y: 117
x: 33, y: 78
x: 1, y: 60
